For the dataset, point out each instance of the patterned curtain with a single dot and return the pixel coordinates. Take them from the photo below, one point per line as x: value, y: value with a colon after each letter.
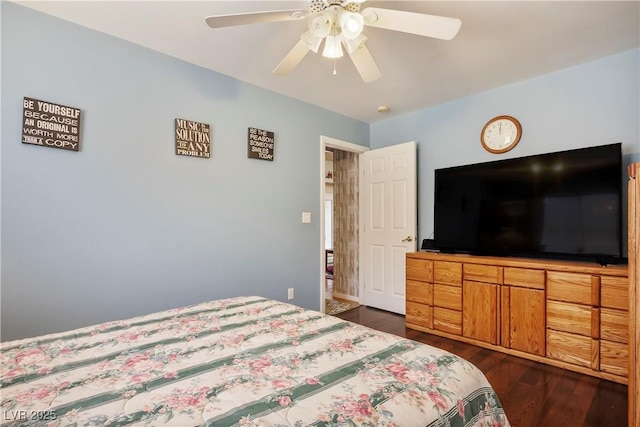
x: 345, y: 226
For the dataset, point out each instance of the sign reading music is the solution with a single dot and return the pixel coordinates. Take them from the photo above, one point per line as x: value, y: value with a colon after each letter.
x: 193, y: 139
x: 50, y: 125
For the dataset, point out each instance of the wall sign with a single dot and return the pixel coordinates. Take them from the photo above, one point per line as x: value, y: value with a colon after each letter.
x: 261, y: 143
x: 193, y: 139
x: 50, y: 125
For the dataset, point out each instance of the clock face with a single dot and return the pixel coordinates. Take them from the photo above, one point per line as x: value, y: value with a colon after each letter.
x: 501, y: 134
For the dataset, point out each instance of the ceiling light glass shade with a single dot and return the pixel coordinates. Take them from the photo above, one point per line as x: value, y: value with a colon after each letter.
x: 320, y: 25
x: 351, y: 24
x: 369, y: 16
x: 332, y: 47
x: 313, y: 42
x: 355, y: 44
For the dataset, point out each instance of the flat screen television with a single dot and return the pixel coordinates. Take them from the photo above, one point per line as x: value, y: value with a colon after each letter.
x: 557, y: 205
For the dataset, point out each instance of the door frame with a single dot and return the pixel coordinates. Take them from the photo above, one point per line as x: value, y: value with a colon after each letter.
x: 328, y: 142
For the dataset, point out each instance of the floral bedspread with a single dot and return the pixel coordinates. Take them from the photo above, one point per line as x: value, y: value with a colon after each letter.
x: 244, y: 361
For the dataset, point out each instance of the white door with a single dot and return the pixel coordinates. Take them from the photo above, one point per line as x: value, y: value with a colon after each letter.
x: 388, y: 221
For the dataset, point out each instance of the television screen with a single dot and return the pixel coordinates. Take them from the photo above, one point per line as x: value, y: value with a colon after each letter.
x: 565, y: 204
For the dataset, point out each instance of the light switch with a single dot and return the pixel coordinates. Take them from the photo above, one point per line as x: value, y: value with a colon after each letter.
x: 306, y: 217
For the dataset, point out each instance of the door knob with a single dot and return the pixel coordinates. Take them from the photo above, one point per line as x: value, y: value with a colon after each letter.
x: 408, y: 239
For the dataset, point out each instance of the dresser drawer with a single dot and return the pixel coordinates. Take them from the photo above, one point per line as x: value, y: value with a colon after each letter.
x: 446, y: 296
x: 419, y: 269
x: 421, y: 292
x: 524, y: 277
x: 574, y: 318
x: 419, y: 314
x: 569, y: 287
x: 480, y: 273
x: 448, y: 273
x: 614, y: 325
x: 575, y: 349
x: 614, y: 358
x: 447, y: 320
x: 614, y: 292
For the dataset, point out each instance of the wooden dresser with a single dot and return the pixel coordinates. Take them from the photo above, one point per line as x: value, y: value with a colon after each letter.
x: 567, y: 314
x: 634, y: 298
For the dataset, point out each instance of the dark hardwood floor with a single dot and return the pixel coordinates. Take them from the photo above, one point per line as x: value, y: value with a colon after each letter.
x: 532, y: 394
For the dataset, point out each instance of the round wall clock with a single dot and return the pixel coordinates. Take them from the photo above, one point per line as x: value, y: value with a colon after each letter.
x: 501, y: 134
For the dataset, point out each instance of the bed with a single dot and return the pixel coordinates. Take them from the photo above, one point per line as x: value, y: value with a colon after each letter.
x: 246, y: 361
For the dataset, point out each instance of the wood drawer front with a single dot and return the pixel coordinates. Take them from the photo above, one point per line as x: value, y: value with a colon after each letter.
x: 614, y: 325
x: 569, y: 287
x: 524, y: 277
x: 614, y: 292
x: 614, y: 358
x: 573, y: 318
x: 419, y: 269
x: 526, y: 325
x: 480, y: 273
x: 421, y: 292
x: 419, y: 314
x: 479, y: 316
x: 447, y: 320
x: 448, y: 273
x: 447, y: 296
x: 575, y: 349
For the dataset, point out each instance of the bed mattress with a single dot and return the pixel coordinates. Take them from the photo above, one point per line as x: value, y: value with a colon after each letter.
x: 246, y: 361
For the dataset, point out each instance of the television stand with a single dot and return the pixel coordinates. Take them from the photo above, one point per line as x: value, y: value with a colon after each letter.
x: 572, y: 315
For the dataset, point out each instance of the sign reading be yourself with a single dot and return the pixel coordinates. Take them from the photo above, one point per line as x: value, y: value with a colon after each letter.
x: 50, y: 125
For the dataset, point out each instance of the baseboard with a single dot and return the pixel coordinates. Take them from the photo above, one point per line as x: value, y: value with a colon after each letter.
x: 346, y: 297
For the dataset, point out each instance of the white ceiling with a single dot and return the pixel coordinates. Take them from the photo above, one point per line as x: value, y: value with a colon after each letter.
x: 500, y: 42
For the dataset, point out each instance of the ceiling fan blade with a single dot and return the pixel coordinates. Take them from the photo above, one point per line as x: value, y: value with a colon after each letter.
x: 365, y: 64
x: 292, y: 59
x: 220, y: 21
x: 421, y: 24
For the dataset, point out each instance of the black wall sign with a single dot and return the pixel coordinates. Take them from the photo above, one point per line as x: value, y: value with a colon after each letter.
x: 50, y: 125
x: 261, y: 143
x: 193, y: 139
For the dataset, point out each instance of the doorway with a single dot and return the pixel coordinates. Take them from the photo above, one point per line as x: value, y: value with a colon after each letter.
x: 344, y: 281
x: 381, y: 222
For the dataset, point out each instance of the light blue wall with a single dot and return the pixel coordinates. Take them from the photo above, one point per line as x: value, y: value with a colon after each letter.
x: 126, y: 227
x: 592, y: 104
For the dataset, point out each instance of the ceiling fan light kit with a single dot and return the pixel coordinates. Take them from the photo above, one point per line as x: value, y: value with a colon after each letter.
x: 332, y: 47
x: 351, y: 24
x: 340, y: 23
x: 320, y: 25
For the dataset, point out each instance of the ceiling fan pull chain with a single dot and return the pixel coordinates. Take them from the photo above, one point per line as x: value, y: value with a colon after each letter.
x: 334, y: 67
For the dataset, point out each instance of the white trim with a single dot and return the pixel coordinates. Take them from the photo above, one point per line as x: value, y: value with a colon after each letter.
x: 342, y: 145
x: 328, y: 142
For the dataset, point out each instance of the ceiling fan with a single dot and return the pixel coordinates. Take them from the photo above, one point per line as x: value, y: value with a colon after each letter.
x: 339, y: 23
